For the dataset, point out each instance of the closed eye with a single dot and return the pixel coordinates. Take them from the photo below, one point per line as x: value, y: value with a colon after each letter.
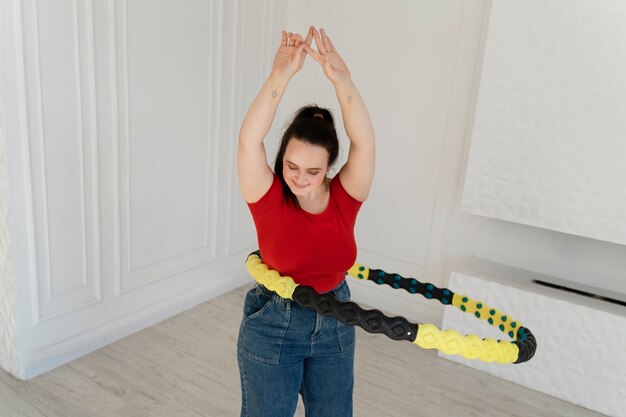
x: 310, y: 171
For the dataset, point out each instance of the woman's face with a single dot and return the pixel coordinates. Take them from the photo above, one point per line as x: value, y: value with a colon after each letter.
x: 304, y: 166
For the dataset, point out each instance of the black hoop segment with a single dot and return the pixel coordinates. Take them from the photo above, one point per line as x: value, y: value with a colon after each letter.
x: 526, y: 343
x: 372, y: 321
x: 411, y: 285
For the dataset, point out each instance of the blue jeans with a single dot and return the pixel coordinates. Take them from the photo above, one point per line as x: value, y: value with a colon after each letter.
x: 285, y: 350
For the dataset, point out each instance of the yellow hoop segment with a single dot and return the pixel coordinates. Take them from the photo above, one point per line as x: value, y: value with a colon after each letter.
x: 269, y: 278
x: 470, y: 346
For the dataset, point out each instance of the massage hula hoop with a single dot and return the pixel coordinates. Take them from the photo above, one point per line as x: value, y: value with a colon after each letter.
x: 427, y: 336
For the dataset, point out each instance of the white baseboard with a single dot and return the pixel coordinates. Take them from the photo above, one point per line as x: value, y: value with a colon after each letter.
x: 96, y: 338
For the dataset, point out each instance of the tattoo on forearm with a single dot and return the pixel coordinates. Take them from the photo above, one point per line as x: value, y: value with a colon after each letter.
x: 349, y: 99
x: 274, y: 94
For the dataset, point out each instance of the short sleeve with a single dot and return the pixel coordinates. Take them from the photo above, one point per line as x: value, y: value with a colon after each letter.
x: 272, y: 198
x: 345, y: 200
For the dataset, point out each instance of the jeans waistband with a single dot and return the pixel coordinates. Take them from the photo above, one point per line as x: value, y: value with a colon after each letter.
x: 338, y: 291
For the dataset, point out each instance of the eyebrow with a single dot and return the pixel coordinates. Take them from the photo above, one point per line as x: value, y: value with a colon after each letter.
x: 308, y: 169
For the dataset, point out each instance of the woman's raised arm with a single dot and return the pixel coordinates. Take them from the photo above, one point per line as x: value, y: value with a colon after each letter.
x: 255, y: 175
x: 357, y: 174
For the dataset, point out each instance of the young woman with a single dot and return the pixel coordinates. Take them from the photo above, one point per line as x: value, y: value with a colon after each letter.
x: 305, y: 228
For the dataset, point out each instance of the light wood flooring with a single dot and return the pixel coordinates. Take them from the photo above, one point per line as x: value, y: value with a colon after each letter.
x: 187, y: 366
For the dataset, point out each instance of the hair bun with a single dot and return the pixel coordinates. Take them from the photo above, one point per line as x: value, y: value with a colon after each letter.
x: 312, y: 112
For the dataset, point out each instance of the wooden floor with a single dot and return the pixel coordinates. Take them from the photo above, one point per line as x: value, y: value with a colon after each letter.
x: 186, y: 366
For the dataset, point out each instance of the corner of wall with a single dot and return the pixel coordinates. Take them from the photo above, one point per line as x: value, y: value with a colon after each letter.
x: 9, y: 359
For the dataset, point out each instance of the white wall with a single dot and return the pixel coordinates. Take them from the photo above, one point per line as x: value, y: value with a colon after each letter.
x: 145, y: 99
x: 548, y: 145
x: 418, y: 66
x: 577, y: 259
x: 413, y: 62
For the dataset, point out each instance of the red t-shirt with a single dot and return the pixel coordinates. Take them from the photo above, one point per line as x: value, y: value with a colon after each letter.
x: 314, y: 249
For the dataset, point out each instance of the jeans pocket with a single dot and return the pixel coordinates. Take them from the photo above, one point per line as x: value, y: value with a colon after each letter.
x: 263, y: 330
x: 255, y: 304
x: 346, y: 336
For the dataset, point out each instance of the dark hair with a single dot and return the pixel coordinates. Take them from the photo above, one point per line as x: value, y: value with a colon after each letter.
x: 313, y: 125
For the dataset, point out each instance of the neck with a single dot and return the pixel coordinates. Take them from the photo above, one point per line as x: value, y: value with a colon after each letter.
x: 316, y: 200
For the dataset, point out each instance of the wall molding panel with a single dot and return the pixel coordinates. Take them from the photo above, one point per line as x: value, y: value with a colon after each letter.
x: 135, y: 274
x: 236, y: 85
x: 216, y: 43
x: 66, y: 219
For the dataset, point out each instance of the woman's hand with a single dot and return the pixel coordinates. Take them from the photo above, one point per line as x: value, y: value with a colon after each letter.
x: 333, y: 65
x: 291, y: 54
